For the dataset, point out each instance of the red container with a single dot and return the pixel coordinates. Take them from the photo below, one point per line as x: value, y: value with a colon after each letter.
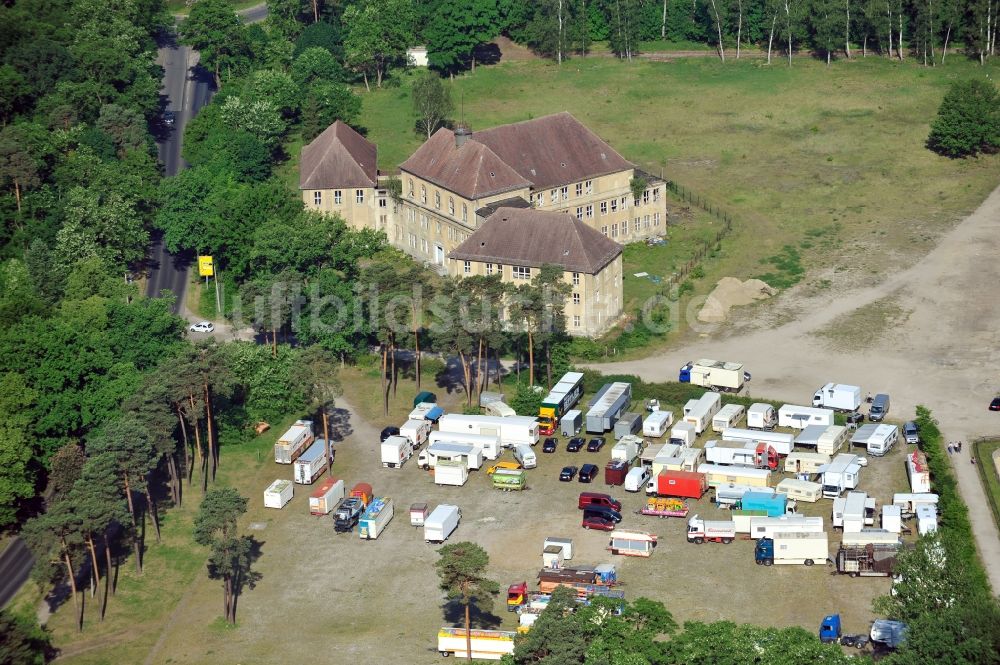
x: 615, y: 472
x: 682, y: 484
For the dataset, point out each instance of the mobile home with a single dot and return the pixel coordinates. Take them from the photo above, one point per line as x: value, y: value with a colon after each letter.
x: 800, y: 490
x: 849, y: 512
x: 761, y: 416
x: 881, y: 537
x: 805, y: 463
x: 781, y: 441
x: 800, y: 417
x: 489, y: 444
x: 877, y: 439
x: 728, y: 416
x: 686, y: 459
x: 766, y: 527
x: 827, y: 440
x: 657, y: 423
x: 717, y: 475
x: 843, y: 473
x: 683, y: 434
x: 918, y: 472
x: 700, y: 412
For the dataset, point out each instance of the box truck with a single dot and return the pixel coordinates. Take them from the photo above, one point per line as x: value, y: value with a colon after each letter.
x: 681, y: 484
x: 699, y: 412
x: 293, y: 442
x: 843, y: 473
x: 326, y: 496
x: 509, y: 480
x: 628, y: 423
x: 572, y: 422
x: 607, y: 406
x: 838, y: 396
x: 805, y: 463
x: 918, y: 472
x: 632, y: 543
x: 728, y: 416
x: 866, y: 561
x: 657, y: 423
x: 877, y: 439
x: 782, y: 442
x: 715, y: 374
x: 489, y: 444
x: 718, y: 531
x: 486, y: 644
x: 792, y: 548
x: 800, y: 417
x: 800, y: 490
x: 563, y: 397
x: 395, y: 451
x: 752, y: 454
x: 761, y: 416
x: 441, y: 523
x: 628, y: 449
x: 375, y: 518
x: 769, y: 527
x: 511, y: 430
x: 683, y: 434
x: 451, y: 472
x: 416, y: 431
x: 429, y: 457
x: 311, y: 464
x: 278, y: 494
x: 716, y: 474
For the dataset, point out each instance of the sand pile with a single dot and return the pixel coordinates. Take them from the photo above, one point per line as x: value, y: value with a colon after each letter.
x: 731, y: 292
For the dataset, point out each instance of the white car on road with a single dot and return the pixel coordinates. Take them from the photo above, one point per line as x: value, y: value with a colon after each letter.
x: 202, y: 327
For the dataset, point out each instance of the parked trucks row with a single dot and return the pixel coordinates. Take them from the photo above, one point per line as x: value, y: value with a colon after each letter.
x: 563, y: 397
x: 293, y: 442
x: 607, y: 406
x: 311, y: 463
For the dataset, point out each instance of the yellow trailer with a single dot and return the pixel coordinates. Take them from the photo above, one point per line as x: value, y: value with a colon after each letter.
x: 720, y: 474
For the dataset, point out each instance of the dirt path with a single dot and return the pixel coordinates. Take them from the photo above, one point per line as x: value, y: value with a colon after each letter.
x: 944, y: 355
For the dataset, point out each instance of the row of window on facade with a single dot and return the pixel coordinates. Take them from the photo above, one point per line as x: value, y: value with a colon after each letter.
x: 637, y: 225
x: 453, y: 234
x: 561, y: 194
x: 437, y: 201
x: 338, y: 198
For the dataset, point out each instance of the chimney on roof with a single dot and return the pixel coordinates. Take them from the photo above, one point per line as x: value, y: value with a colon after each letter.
x: 462, y: 134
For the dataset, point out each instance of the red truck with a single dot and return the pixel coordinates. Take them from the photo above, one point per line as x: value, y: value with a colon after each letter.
x: 681, y: 484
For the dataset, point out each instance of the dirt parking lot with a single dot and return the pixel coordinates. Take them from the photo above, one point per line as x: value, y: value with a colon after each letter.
x: 378, y: 600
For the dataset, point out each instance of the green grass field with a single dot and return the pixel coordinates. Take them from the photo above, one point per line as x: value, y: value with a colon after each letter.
x: 983, y: 450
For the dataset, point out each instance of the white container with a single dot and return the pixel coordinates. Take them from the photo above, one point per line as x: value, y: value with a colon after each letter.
x: 511, y: 430
x: 918, y: 472
x: 278, y: 494
x: 782, y: 442
x: 440, y: 524
x: 800, y: 417
x: 800, y: 490
x: 926, y: 519
x: 375, y: 518
x: 728, y: 416
x: 293, y: 442
x: 395, y: 451
x: 326, y: 498
x: 892, y: 518
x: 447, y: 472
x: 683, y: 434
x: 416, y: 431
x: 839, y: 396
x: 700, y: 412
x: 489, y: 444
x: 311, y: 463
x: 657, y: 423
x: 565, y: 543
x: 572, y: 422
x: 761, y: 416
x: 767, y: 527
x: 637, y: 478
x: 525, y: 456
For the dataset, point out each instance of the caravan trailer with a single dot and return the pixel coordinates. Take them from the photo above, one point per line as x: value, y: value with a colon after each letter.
x: 800, y: 490
x: 781, y: 441
x: 700, y: 412
x: 805, y: 463
x: 728, y: 416
x: 800, y: 417
x: 717, y: 475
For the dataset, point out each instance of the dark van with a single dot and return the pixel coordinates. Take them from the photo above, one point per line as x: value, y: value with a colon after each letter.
x: 602, y: 512
x: 879, y: 408
x: 588, y: 499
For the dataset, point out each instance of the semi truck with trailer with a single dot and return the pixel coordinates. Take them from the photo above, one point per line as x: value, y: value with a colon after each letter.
x: 563, y: 397
x: 441, y: 523
x: 792, y: 548
x: 488, y: 443
x: 782, y: 442
x: 800, y: 417
x: 293, y: 442
x: 713, y: 531
x: 761, y: 416
x: 700, y: 412
x: 607, y: 406
x: 375, y: 518
x: 311, y: 464
x: 395, y: 451
x: 838, y: 396
x: 511, y: 430
x: 714, y: 374
x: 728, y: 416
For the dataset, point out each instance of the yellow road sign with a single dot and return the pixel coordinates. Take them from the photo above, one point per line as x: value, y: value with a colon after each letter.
x: 205, y: 267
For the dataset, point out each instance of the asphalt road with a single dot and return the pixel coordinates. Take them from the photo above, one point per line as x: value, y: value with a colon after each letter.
x: 15, y: 562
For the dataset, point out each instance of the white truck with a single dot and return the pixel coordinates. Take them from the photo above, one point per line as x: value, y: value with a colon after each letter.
x: 782, y: 442
x: 429, y: 457
x: 440, y: 524
x: 718, y: 531
x: 838, y: 396
x: 761, y: 416
x: 683, y: 434
x: 395, y: 451
x: 657, y: 423
x: 450, y: 472
x: 486, y: 644
x: 512, y: 430
x: 291, y: 444
x: 416, y: 431
x: 310, y: 464
x: 627, y: 449
x: 767, y: 527
x: 800, y: 417
x: 877, y: 439
x: 375, y: 518
x: 699, y: 412
x: 489, y: 444
x: 728, y: 416
x: 715, y: 374
x: 793, y: 548
x: 918, y: 472
x: 843, y: 473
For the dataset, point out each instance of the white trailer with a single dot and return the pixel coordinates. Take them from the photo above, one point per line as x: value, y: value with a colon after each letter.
x: 877, y: 439
x: 571, y: 423
x: 794, y: 548
x: 486, y: 644
x: 440, y: 524
x: 838, y: 396
x: 471, y: 456
x: 716, y: 475
x: 311, y: 463
x: 827, y: 440
x: 843, y: 473
x: 657, y: 423
x: 450, y: 472
x: 849, y: 512
x: 918, y: 472
x: 871, y: 537
x: 805, y: 463
x: 767, y: 527
x: 668, y: 451
x: 908, y: 503
x: 375, y: 518
x: 607, y: 406
x: 800, y: 417
x: 686, y: 459
x: 627, y: 450
x: 291, y: 444
x: 489, y: 444
x: 511, y: 430
x: 416, y: 431
x: 278, y: 494
x: 728, y: 416
x: 717, y: 374
x: 699, y: 412
x: 926, y: 519
x: 892, y: 518
x: 761, y: 416
x: 499, y: 409
x: 782, y: 442
x: 736, y: 453
x: 326, y: 497
x: 395, y: 451
x: 683, y: 433
x: 800, y: 490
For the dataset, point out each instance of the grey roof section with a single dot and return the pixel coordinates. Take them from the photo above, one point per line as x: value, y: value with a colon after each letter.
x: 513, y: 202
x: 532, y: 238
x: 338, y: 158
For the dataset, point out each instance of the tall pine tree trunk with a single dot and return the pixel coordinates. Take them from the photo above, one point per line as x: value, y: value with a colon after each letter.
x: 72, y: 585
x: 468, y: 632
x: 213, y: 448
x: 188, y: 469
x: 135, y: 526
x: 847, y: 30
x: 96, y: 572
x: 107, y: 577
x: 385, y: 388
x: 151, y: 507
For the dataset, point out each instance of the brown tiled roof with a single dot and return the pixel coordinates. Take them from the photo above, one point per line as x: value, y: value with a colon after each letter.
x: 472, y: 171
x: 529, y: 237
x: 339, y: 157
x: 552, y: 150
